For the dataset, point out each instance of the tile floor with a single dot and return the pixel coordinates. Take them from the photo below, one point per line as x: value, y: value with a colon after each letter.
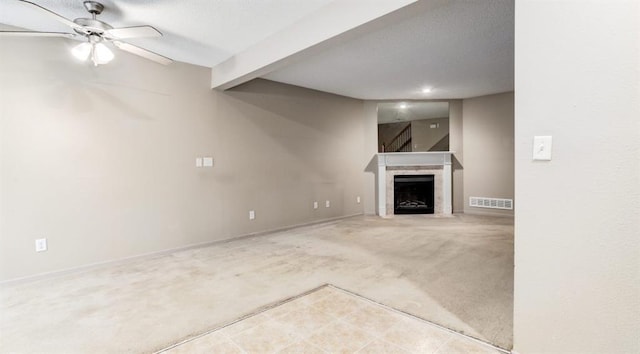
x: 330, y: 320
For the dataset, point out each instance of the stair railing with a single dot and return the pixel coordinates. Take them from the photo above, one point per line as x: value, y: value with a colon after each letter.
x: 402, y: 141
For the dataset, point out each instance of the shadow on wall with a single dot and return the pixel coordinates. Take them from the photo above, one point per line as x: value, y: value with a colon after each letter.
x: 306, y: 125
x: 308, y: 144
x: 372, y: 167
x: 321, y: 110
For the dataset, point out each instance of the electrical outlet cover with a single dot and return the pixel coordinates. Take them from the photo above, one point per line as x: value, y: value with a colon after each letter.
x: 327, y: 204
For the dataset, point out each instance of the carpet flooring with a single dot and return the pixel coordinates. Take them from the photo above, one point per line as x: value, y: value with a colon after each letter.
x: 454, y: 271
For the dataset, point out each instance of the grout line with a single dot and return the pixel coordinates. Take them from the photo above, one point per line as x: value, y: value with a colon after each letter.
x: 395, y: 345
x: 374, y: 336
x: 442, y: 345
x: 237, y: 345
x: 305, y: 340
x: 364, y: 346
x: 241, y: 318
x: 479, y: 341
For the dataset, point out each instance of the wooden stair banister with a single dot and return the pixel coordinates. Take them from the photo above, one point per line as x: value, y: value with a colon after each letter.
x: 401, y: 142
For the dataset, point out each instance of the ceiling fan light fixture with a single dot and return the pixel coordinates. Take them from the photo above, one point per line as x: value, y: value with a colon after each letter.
x: 82, y: 51
x: 97, y: 33
x: 101, y: 54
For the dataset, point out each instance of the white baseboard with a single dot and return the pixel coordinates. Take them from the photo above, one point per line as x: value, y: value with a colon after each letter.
x: 87, y: 267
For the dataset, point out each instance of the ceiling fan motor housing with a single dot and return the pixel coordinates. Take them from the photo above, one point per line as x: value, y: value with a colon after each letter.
x: 94, y: 8
x: 92, y: 26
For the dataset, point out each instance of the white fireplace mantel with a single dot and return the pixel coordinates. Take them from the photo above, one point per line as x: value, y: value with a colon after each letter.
x: 413, y: 159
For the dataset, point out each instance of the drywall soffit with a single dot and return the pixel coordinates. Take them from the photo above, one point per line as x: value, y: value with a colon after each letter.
x: 347, y: 18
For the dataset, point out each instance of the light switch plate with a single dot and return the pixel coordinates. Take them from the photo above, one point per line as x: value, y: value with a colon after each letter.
x: 327, y: 204
x: 315, y: 205
x: 252, y: 214
x: 358, y: 199
x: 207, y: 161
x: 198, y: 161
x: 41, y: 245
x: 542, y: 148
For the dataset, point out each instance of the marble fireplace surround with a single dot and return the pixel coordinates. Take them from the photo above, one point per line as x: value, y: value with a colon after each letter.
x: 415, y: 163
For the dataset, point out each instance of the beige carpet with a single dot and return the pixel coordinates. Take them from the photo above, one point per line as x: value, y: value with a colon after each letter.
x: 457, y: 272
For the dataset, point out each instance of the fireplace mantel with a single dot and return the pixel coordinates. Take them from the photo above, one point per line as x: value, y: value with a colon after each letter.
x: 410, y: 160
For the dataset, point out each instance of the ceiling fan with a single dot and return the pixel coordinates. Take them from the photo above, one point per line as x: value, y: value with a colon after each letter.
x: 94, y: 34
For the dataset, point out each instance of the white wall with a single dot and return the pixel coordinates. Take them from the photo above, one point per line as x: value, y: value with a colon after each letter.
x: 488, y: 143
x: 101, y: 161
x: 577, y: 225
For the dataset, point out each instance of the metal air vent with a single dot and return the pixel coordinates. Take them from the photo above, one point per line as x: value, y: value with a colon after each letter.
x: 492, y: 203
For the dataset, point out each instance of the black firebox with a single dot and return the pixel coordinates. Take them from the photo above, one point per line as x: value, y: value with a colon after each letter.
x: 413, y: 194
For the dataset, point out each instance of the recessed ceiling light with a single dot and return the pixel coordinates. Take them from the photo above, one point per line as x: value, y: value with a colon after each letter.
x: 402, y: 105
x: 426, y: 90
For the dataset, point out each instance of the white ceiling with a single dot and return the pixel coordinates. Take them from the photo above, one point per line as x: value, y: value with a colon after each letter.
x: 201, y: 32
x: 459, y: 48
x: 395, y: 112
x: 462, y: 49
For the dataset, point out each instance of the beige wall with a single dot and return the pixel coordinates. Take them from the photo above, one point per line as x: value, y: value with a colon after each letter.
x: 370, y: 132
x: 577, y: 226
x: 101, y: 161
x: 457, y: 160
x: 424, y: 138
x: 488, y: 150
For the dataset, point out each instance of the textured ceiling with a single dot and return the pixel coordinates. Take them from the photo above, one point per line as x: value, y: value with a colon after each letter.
x: 201, y: 32
x: 458, y: 48
x: 461, y: 49
x: 394, y: 112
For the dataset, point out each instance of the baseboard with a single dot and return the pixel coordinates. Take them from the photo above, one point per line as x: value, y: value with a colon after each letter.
x: 489, y: 212
x: 91, y: 266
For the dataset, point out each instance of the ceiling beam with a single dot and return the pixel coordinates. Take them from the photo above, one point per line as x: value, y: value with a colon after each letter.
x: 332, y: 24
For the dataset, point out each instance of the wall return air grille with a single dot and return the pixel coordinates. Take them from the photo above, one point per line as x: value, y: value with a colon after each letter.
x: 493, y: 203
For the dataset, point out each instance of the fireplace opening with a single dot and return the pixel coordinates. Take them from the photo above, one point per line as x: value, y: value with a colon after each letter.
x: 413, y: 194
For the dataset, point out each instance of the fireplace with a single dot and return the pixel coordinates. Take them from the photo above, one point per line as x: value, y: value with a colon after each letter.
x: 437, y: 165
x: 413, y: 194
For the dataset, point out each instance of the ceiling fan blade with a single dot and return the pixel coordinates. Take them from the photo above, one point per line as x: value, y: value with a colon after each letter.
x: 40, y: 34
x: 132, y: 32
x: 59, y: 18
x: 143, y: 53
